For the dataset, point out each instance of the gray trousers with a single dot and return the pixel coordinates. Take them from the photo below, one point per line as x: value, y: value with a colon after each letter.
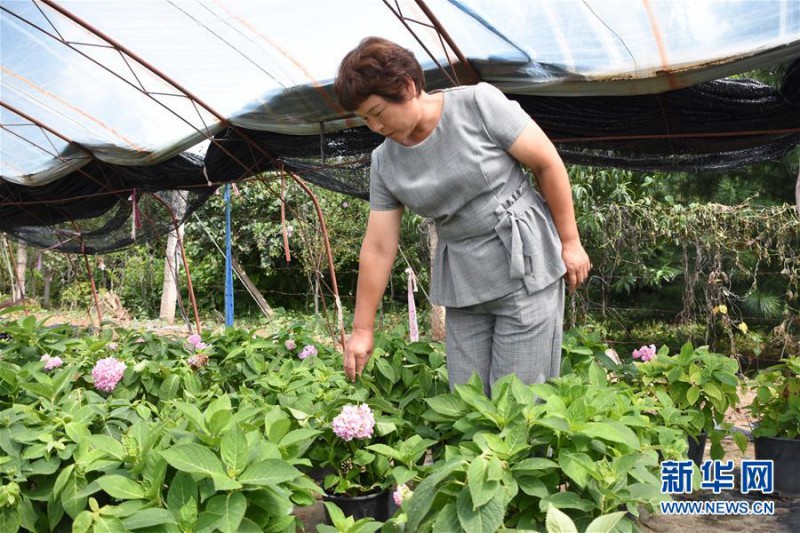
x: 518, y: 333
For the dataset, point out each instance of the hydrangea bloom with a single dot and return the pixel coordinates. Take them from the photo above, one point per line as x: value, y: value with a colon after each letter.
x: 308, y: 351
x: 200, y: 346
x: 194, y: 339
x: 51, y: 362
x: 198, y: 360
x: 401, y: 494
x: 645, y: 353
x: 107, y: 373
x: 290, y: 344
x: 354, y: 422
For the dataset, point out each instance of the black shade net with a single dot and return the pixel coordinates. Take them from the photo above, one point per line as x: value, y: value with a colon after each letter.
x: 718, y: 125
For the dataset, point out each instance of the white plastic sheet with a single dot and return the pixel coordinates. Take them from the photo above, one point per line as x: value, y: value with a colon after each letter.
x: 269, y: 64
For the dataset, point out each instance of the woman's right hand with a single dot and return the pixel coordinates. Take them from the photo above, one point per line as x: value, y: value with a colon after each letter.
x: 357, y: 351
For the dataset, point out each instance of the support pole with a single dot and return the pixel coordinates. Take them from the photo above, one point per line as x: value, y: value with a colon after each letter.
x: 228, y: 260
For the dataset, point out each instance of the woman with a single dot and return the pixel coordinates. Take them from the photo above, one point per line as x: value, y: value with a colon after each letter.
x: 503, y: 252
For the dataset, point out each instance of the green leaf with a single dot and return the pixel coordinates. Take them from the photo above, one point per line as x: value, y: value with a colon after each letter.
x: 558, y: 522
x: 9, y: 519
x: 169, y: 387
x: 613, y: 431
x: 121, y: 487
x: 269, y: 472
x: 447, y: 520
x: 193, y: 414
x: 566, y: 500
x: 532, y: 486
x: 61, y: 481
x: 478, y: 400
x: 385, y: 368
x: 108, y: 445
x: 575, y: 466
x: 77, y: 432
x: 340, y: 522
x: 298, y: 435
x: 71, y: 497
x: 82, y: 522
x: 486, y: 518
x: 447, y: 405
x: 423, y: 497
x: 692, y: 395
x: 233, y: 450
x: 388, y: 451
x: 230, y: 508
x: 741, y: 440
x: 108, y: 524
x: 219, y: 422
x: 481, y: 489
x: 605, y: 523
x: 533, y: 464
x: 181, y: 490
x: 148, y: 518
x: 194, y: 459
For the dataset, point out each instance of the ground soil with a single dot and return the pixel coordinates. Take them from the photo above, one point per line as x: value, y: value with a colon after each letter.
x: 787, y: 509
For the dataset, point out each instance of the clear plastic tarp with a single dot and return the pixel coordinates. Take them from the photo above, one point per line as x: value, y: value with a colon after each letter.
x: 71, y: 93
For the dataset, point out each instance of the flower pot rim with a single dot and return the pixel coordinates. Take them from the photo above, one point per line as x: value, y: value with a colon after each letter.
x: 786, y: 439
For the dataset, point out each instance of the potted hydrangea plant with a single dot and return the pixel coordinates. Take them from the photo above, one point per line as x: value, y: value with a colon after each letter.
x: 359, y: 479
x: 701, y: 383
x: 776, y: 408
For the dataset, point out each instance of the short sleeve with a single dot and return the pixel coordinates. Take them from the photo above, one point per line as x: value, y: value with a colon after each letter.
x: 380, y: 199
x: 504, y: 119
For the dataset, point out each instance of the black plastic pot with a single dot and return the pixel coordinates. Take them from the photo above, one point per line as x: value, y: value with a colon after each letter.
x: 374, y: 505
x: 785, y: 454
x: 697, y: 446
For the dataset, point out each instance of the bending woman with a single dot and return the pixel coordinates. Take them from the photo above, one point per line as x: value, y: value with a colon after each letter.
x: 504, y: 250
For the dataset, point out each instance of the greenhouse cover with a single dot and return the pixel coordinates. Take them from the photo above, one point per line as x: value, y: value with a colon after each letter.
x: 104, y: 102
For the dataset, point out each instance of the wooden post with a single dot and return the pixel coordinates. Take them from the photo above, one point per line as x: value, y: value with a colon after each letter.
x: 22, y: 266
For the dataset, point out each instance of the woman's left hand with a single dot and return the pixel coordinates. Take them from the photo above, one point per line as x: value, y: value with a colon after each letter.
x: 577, y: 262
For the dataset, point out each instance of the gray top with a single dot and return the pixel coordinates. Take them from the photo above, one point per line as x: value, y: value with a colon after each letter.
x: 496, y: 232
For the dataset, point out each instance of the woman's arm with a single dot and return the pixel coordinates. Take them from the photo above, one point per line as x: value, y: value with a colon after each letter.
x: 378, y: 251
x: 534, y: 150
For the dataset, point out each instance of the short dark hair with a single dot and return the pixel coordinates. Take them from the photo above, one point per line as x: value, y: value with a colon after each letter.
x: 376, y: 66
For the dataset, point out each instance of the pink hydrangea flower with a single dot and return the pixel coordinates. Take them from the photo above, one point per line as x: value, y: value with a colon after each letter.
x: 290, y: 344
x: 354, y: 422
x: 201, y: 346
x: 112, y: 345
x: 401, y: 494
x: 51, y: 362
x: 308, y: 351
x: 645, y: 353
x: 107, y: 373
x: 198, y: 360
x: 194, y: 339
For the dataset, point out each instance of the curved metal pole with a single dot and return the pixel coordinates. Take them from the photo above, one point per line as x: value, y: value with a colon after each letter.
x: 329, y: 253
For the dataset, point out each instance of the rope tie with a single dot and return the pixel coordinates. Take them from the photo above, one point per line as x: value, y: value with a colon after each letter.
x: 413, y: 328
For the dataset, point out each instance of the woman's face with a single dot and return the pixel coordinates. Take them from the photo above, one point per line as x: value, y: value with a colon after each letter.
x: 393, y: 120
